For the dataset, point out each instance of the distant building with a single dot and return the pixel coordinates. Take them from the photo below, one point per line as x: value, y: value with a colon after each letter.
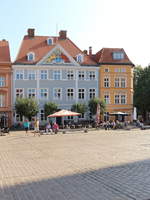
x: 54, y: 69
x: 5, y: 85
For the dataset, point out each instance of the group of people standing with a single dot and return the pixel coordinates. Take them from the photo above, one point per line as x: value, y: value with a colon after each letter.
x: 49, y: 128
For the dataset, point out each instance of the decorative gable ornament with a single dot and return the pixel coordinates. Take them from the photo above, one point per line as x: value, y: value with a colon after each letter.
x: 57, y: 57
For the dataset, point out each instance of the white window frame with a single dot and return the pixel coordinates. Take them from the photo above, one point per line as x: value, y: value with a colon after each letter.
x: 46, y: 92
x: 2, y: 100
x: 55, y: 94
x: 123, y: 82
x: 117, y: 82
x: 121, y: 98
x: 92, y: 75
x: 44, y: 74
x: 2, y: 81
x: 107, y: 98
x: 31, y: 74
x: 81, y: 75
x: 21, y: 94
x: 20, y: 74
x: 57, y: 74
x: 70, y: 74
x: 70, y: 98
x: 106, y: 82
x: 92, y: 93
x: 31, y: 93
x: 31, y: 58
x: 118, y: 55
x: 81, y: 93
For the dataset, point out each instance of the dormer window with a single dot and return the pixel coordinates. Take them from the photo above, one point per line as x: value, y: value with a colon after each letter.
x: 30, y: 56
x: 49, y: 41
x: 118, y: 55
x: 80, y: 58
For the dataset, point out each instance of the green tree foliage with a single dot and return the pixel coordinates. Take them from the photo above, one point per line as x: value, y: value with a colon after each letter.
x: 50, y: 108
x: 142, y: 90
x: 79, y: 107
x: 93, y: 105
x: 26, y: 107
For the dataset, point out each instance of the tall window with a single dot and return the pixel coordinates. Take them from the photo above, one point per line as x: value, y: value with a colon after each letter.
x: 106, y: 98
x: 120, y: 99
x: 70, y: 93
x: 19, y: 93
x: 57, y: 93
x: 31, y: 92
x: 44, y: 93
x: 70, y: 74
x: 19, y: 74
x: 42, y: 115
x: 2, y: 81
x: 120, y: 82
x: 44, y: 75
x: 92, y: 93
x: 81, y: 93
x: 31, y: 75
x: 91, y: 75
x: 123, y: 82
x: 106, y: 82
x: 2, y: 100
x: 56, y: 74
x: 117, y: 80
x: 123, y: 99
x: 81, y: 75
x: 117, y: 99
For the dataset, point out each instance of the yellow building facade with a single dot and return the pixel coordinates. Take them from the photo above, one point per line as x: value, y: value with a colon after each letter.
x: 116, y: 84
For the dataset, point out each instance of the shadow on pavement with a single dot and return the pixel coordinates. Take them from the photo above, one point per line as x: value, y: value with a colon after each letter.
x: 125, y: 182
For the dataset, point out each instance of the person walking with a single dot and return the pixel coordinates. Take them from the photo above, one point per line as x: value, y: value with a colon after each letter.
x: 26, y: 125
x: 55, y: 128
x: 36, y: 127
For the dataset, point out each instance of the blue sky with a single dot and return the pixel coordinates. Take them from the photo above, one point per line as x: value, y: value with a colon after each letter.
x: 96, y: 23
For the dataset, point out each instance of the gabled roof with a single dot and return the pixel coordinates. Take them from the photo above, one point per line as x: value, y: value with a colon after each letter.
x: 105, y: 56
x: 38, y: 45
x: 4, y: 52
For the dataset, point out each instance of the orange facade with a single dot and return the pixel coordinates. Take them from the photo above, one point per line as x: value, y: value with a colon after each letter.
x: 116, y: 88
x: 5, y: 86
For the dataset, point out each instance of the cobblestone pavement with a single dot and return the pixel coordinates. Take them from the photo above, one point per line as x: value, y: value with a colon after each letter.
x: 98, y: 165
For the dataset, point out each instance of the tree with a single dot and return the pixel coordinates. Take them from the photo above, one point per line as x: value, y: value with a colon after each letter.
x: 50, y: 108
x: 26, y: 107
x: 79, y: 107
x: 142, y: 90
x: 93, y: 105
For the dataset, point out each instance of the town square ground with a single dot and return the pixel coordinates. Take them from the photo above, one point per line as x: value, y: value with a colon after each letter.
x: 98, y: 165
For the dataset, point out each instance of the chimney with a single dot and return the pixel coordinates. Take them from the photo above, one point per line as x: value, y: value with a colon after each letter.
x: 90, y: 51
x: 85, y: 52
x: 31, y: 32
x: 62, y: 35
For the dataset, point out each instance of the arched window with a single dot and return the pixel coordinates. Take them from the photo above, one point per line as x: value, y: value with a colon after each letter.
x: 30, y: 56
x: 50, y: 41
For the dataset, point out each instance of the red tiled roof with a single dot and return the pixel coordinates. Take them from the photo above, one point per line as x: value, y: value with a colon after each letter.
x: 38, y: 45
x: 105, y: 56
x: 4, y: 52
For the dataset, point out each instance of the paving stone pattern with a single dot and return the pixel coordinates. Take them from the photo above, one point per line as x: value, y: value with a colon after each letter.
x: 98, y: 165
